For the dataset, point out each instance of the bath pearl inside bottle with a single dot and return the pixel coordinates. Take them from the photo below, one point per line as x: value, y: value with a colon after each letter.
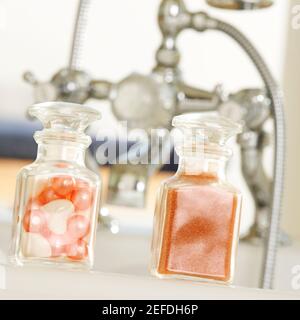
x: 77, y: 250
x: 82, y: 198
x: 58, y: 244
x: 47, y: 195
x: 34, y: 221
x: 58, y: 212
x: 78, y: 226
x: 62, y: 185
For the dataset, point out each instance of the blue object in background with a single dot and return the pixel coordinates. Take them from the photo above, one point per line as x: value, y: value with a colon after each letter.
x: 16, y: 139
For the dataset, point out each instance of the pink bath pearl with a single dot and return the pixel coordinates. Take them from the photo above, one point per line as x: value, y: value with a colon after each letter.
x: 78, y: 226
x: 63, y: 185
x: 34, y: 221
x: 58, y: 244
x: 47, y: 195
x: 77, y: 250
x: 82, y: 198
x: 58, y: 212
x: 81, y: 184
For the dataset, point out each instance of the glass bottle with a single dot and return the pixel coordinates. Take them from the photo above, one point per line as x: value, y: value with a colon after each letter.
x: 196, y: 223
x: 57, y: 197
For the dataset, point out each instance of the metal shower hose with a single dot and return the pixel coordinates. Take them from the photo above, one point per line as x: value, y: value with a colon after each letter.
x: 79, y: 34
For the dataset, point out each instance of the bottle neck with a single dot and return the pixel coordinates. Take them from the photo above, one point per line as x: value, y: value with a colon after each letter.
x: 55, y: 145
x: 210, y: 161
x: 55, y: 151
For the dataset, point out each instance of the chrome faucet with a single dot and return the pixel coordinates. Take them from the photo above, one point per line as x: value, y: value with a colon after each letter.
x: 167, y: 95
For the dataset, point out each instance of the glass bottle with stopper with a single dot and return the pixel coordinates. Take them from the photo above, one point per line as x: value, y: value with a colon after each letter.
x: 197, y: 215
x: 57, y: 197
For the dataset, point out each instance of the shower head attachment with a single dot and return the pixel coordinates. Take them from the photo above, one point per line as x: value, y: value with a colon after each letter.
x: 240, y: 4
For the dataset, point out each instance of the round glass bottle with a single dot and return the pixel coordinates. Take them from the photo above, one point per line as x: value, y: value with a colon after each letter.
x: 196, y: 223
x: 57, y: 197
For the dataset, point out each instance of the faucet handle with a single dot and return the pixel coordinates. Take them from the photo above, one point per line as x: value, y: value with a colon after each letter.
x: 30, y: 78
x: 253, y: 106
x: 71, y: 85
x: 66, y: 85
x: 43, y: 91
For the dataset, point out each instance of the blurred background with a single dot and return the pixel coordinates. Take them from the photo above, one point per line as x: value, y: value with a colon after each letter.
x: 122, y: 37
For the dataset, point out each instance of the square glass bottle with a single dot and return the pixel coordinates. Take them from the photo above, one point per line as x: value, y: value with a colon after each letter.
x: 57, y: 197
x: 196, y: 223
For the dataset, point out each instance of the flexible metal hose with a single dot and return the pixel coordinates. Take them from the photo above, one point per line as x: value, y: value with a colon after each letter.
x: 278, y: 112
x: 79, y: 34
